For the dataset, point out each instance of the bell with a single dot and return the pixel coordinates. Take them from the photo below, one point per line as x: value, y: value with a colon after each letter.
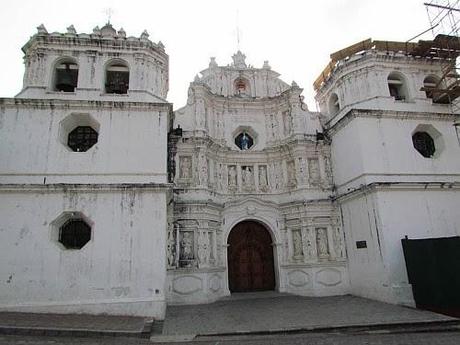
x: 66, y: 79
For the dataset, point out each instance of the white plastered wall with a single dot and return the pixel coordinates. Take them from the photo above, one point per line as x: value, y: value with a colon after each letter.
x: 121, y: 270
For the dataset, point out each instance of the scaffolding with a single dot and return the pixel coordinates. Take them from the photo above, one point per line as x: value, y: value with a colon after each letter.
x: 444, y: 19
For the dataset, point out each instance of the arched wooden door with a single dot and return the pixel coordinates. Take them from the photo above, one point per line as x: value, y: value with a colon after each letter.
x: 250, y: 258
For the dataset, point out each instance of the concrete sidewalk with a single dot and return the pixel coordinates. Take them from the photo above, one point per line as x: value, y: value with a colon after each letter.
x: 273, y: 312
x: 74, y: 325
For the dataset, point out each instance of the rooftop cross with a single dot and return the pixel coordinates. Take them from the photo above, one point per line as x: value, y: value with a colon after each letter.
x: 109, y: 12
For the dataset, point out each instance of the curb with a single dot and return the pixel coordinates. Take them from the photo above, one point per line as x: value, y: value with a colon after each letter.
x: 83, y: 333
x: 405, y: 327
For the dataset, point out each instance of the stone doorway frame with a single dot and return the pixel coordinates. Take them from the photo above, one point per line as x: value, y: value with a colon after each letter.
x: 271, y: 227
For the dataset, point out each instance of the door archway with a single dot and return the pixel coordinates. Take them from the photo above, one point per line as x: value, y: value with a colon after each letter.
x: 250, y: 258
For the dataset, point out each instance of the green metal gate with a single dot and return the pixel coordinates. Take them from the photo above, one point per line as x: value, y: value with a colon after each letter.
x: 433, y: 268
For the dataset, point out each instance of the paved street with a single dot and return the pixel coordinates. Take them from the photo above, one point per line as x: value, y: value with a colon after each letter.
x: 259, y: 312
x: 447, y: 338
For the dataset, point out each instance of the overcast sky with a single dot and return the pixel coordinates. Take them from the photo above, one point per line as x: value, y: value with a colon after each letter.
x: 296, y: 37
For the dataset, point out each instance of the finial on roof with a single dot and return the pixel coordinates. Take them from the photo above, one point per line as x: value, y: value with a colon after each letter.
x: 42, y: 30
x: 197, y: 78
x: 108, y: 31
x: 161, y: 45
x: 96, y: 30
x: 71, y: 30
x: 122, y: 33
x: 213, y: 62
x: 145, y: 35
x: 266, y: 65
x: 238, y: 60
x: 294, y: 84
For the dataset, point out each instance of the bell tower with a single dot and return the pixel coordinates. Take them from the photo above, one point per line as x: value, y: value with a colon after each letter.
x: 105, y: 65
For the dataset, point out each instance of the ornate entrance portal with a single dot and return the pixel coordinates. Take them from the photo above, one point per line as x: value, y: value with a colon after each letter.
x: 250, y: 258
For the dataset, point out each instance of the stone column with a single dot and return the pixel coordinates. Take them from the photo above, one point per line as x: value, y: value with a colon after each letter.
x: 330, y: 242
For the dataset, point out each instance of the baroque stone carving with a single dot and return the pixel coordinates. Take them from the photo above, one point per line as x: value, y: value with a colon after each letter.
x: 263, y: 183
x: 292, y: 181
x: 232, y: 180
x: 247, y: 177
x: 287, y: 121
x: 310, y: 251
x: 185, y: 167
x: 171, y: 248
x: 203, y: 170
x: 297, y: 243
x: 313, y: 169
x: 203, y: 249
x: 339, y: 245
x: 321, y: 242
x: 186, y: 249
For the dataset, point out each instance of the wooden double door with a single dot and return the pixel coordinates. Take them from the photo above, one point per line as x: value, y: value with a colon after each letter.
x: 250, y: 258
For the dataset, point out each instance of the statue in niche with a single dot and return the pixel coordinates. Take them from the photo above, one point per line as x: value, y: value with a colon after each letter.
x: 339, y: 246
x: 248, y: 181
x: 321, y: 242
x: 185, y: 167
x: 171, y: 249
x: 220, y: 178
x: 232, y: 176
x: 263, y: 177
x: 244, y: 142
x: 297, y: 243
x: 186, y: 249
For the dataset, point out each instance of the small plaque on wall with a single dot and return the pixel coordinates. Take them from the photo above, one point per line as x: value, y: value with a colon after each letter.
x: 361, y: 244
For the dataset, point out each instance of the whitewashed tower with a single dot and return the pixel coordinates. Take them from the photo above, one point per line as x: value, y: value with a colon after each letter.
x: 83, y: 176
x: 395, y: 154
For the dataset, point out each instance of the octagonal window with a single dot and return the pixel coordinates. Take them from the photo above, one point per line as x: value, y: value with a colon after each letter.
x: 424, y: 144
x: 74, y: 234
x: 82, y: 138
x: 244, y: 141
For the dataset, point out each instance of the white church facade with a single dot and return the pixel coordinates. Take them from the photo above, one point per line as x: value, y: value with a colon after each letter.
x: 110, y: 202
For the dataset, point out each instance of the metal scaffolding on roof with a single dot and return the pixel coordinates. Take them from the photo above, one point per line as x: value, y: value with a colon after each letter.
x: 444, y: 19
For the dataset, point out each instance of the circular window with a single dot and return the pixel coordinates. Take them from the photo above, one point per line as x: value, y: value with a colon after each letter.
x: 424, y: 144
x: 244, y: 141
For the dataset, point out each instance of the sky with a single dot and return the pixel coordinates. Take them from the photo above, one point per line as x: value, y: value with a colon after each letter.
x: 296, y: 36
